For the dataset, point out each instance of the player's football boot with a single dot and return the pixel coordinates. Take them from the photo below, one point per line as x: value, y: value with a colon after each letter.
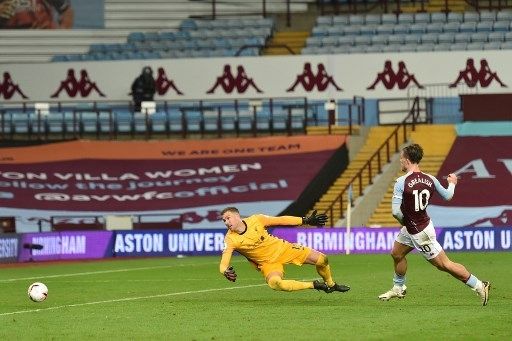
x: 483, y: 292
x: 319, y: 285
x: 395, y: 292
x: 337, y: 287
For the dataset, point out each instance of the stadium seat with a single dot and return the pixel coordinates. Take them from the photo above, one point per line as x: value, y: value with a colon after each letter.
x: 368, y: 29
x: 330, y: 41
x: 455, y: 17
x: 504, y: 16
x: 501, y: 26
x: 438, y: 18
x: 484, y: 26
x: 346, y: 40
x: 471, y: 16
x: 388, y: 19
x: 462, y: 38
x: 391, y: 48
x: 351, y: 30
x: 356, y: 19
x: 405, y: 18
x: 324, y: 21
x: 479, y: 37
x: 340, y: 20
x: 442, y: 47
x: 373, y: 48
x: 468, y: 27
x: 418, y: 28
x: 429, y: 38
x: 458, y: 46
x: 488, y: 16
x: 507, y: 45
x: 396, y: 39
x: 408, y: 48
x: 401, y: 29
x: 363, y: 40
x: 492, y: 45
x: 454, y: 27
x: 435, y: 28
x: 475, y: 46
x: 379, y: 39
x: 496, y: 36
x: 422, y: 18
x: 446, y: 38
x: 426, y: 47
x: 412, y: 39
x: 335, y: 30
x: 385, y: 29
x: 372, y: 19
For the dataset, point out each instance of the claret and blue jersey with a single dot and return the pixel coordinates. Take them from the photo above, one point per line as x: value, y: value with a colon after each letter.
x: 411, y: 197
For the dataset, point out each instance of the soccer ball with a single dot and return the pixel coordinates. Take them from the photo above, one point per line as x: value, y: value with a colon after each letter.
x: 37, y: 292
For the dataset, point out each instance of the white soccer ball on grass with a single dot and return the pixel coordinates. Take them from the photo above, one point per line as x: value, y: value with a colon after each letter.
x: 37, y: 292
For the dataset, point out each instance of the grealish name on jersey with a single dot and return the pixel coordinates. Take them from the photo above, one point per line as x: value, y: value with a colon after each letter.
x: 419, y: 180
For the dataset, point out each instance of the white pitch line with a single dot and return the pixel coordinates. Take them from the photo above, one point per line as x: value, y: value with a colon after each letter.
x: 104, y: 272
x: 128, y: 299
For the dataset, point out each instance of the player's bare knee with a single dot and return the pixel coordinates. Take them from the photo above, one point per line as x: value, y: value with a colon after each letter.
x: 396, y: 256
x: 274, y: 282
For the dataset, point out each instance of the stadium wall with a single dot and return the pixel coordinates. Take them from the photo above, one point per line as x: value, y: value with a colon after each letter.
x: 317, y: 77
x: 70, y: 245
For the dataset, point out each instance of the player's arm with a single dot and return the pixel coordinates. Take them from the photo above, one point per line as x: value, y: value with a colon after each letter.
x: 284, y: 220
x: 396, y: 201
x: 225, y: 269
x: 446, y: 193
x: 313, y: 220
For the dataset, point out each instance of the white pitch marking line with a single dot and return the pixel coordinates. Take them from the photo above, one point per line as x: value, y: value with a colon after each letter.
x: 129, y: 299
x: 105, y: 272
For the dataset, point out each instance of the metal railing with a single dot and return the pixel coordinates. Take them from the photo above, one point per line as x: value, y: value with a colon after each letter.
x: 389, y: 146
x: 395, y: 6
x: 490, y: 4
x: 199, y: 119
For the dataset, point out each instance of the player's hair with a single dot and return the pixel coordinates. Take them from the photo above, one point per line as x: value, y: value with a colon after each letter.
x: 413, y: 153
x: 229, y: 209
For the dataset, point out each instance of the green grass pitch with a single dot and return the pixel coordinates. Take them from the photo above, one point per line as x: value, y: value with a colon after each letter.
x: 187, y: 299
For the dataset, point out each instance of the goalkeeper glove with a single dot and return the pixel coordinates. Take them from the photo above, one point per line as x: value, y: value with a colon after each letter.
x: 314, y: 219
x: 230, y: 274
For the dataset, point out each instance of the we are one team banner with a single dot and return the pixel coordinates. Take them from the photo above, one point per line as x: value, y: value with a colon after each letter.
x: 104, y: 244
x: 196, y: 179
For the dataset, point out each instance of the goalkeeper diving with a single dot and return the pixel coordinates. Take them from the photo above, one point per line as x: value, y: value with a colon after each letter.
x: 269, y: 254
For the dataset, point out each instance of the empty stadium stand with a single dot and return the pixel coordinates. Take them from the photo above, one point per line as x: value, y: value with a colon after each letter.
x: 409, y: 32
x: 194, y: 38
x: 123, y: 17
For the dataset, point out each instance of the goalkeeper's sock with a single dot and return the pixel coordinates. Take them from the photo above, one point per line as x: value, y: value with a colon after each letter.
x: 280, y: 284
x: 324, y: 269
x: 398, y: 280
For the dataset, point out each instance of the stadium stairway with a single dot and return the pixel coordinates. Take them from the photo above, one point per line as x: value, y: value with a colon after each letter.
x: 294, y: 40
x: 376, y: 136
x: 434, y: 155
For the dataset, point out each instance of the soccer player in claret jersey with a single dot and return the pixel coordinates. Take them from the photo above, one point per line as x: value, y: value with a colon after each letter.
x: 410, y: 200
x: 268, y: 254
